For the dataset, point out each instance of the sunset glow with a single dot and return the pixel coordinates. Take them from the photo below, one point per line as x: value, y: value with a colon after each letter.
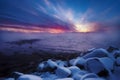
x: 84, y: 28
x: 36, y: 30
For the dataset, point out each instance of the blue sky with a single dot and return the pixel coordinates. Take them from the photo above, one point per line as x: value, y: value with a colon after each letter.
x: 69, y: 15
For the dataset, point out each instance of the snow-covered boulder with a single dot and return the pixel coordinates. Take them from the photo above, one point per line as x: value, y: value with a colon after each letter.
x: 97, y: 53
x: 118, y: 61
x: 79, y: 62
x: 47, y: 66
x: 63, y: 72
x: 94, y: 79
x: 16, y: 74
x: 89, y: 75
x: 71, y: 62
x: 51, y: 64
x: 29, y: 77
x: 48, y: 76
x: 100, y: 66
x: 65, y: 79
x: 8, y: 79
x: 116, y: 53
x: 74, y: 70
x: 62, y: 63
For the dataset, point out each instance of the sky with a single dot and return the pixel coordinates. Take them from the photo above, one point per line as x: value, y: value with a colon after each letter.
x: 58, y: 16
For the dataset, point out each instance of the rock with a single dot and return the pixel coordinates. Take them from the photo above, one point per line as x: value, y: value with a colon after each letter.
x: 79, y: 62
x: 89, y: 75
x: 97, y: 53
x: 52, y: 64
x: 63, y: 72
x: 65, y: 79
x: 116, y: 54
x: 74, y: 70
x: 111, y: 49
x: 118, y: 61
x: 16, y: 74
x: 47, y: 66
x: 94, y: 79
x: 29, y: 77
x: 100, y: 66
x: 62, y: 63
x: 8, y: 79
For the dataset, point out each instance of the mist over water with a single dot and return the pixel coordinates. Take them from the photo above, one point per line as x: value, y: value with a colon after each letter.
x: 69, y: 41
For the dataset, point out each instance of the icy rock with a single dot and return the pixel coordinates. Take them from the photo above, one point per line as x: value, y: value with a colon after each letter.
x: 80, y: 62
x: 51, y: 64
x: 10, y: 79
x: 29, y: 77
x: 94, y: 79
x: 71, y: 61
x: 16, y: 74
x: 65, y: 79
x: 48, y: 76
x: 63, y: 72
x: 118, y: 61
x: 101, y: 66
x: 116, y: 54
x: 74, y: 70
x: 89, y: 75
x: 97, y: 53
x: 77, y: 77
x: 61, y: 63
x: 42, y: 66
x: 47, y: 66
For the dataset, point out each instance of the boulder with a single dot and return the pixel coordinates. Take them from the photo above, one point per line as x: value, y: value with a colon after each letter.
x: 101, y: 66
x: 29, y: 77
x: 97, y: 53
x: 79, y: 62
x: 63, y: 72
x: 65, y: 79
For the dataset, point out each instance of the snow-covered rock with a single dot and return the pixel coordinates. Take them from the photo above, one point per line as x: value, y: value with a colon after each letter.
x: 89, y: 75
x: 65, y: 79
x: 80, y: 62
x: 74, y: 70
x: 62, y: 63
x: 51, y: 64
x: 29, y: 77
x: 48, y: 76
x: 16, y: 74
x: 71, y: 61
x: 116, y: 53
x: 47, y: 66
x: 9, y: 79
x: 94, y: 79
x: 63, y: 72
x: 100, y: 65
x: 118, y: 61
x: 97, y: 53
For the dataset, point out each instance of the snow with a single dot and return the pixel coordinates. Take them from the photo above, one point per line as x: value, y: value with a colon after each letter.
x: 29, y: 77
x: 62, y: 72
